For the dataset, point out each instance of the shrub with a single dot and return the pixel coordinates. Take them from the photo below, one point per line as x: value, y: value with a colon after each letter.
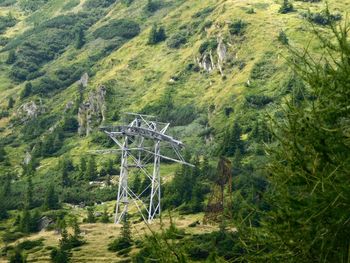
x: 258, y: 101
x: 6, y: 22
x: 30, y: 244
x: 286, y: 7
x: 322, y: 18
x: 127, y: 2
x: 237, y: 27
x: 152, y: 6
x: 3, y: 40
x: 7, y: 2
x: 282, y: 37
x: 204, y: 12
x: 156, y: 35
x: 263, y: 69
x: 30, y: 5
x: 11, y: 57
x: 208, y: 45
x: 70, y: 4
x: 92, y: 4
x: 177, y: 40
x: 118, y: 28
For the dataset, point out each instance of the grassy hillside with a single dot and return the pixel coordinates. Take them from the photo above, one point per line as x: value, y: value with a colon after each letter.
x: 220, y: 63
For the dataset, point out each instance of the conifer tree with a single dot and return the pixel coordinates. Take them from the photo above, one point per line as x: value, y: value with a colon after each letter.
x: 309, y: 164
x: 29, y: 193
x: 91, y: 169
x: 156, y: 35
x: 51, y: 198
x: 27, y: 90
x: 10, y: 103
x: 2, y: 153
x: 80, y: 39
x: 25, y: 224
x: 90, y: 215
x: 11, y: 57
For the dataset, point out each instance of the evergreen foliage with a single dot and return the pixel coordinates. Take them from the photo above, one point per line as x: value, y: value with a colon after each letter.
x: 91, y: 169
x: 282, y: 37
x: 286, y: 7
x: 156, y: 35
x: 90, y: 216
x: 80, y: 39
x: 27, y: 90
x: 11, y: 57
x: 310, y: 165
x: 125, y: 240
x: 51, y: 201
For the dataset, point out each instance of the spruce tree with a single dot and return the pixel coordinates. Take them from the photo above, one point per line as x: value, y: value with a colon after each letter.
x: 10, y: 103
x: 309, y: 164
x: 156, y: 35
x: 80, y: 38
x: 3, y: 206
x: 2, y: 153
x: 29, y: 193
x: 51, y: 201
x: 91, y: 169
x: 82, y: 167
x: 25, y: 224
x: 90, y: 215
x: 136, y: 184
x: 105, y: 216
x: 11, y: 57
x: 27, y: 90
x: 286, y: 7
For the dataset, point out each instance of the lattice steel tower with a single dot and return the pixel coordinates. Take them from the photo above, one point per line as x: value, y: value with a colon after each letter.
x: 140, y: 142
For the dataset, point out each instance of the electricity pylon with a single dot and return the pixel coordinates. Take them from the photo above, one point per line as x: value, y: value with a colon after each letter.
x: 140, y: 142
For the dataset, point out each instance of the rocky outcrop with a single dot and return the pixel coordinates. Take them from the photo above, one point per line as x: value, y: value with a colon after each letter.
x: 207, y: 60
x: 84, y: 80
x: 92, y: 112
x: 30, y: 110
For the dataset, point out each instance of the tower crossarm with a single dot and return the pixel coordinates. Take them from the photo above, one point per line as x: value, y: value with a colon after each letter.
x: 146, y: 133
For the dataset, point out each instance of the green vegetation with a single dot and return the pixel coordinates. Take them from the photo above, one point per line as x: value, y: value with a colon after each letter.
x: 265, y: 124
x: 7, y: 21
x: 156, y: 35
x: 286, y: 7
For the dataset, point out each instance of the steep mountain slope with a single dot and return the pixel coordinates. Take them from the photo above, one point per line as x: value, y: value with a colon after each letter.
x: 68, y: 67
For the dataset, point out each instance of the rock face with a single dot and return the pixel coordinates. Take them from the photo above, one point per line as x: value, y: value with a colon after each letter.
x: 221, y: 50
x: 84, y: 80
x: 30, y: 110
x: 27, y: 158
x: 207, y: 62
x: 92, y: 112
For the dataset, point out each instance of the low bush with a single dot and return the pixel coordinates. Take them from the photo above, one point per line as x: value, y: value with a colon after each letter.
x: 263, y: 69
x: 30, y: 244
x: 70, y: 4
x: 7, y: 2
x: 152, y: 6
x: 122, y: 28
x: 177, y: 40
x: 91, y: 4
x: 156, y: 35
x: 204, y: 12
x: 258, y: 101
x: 323, y: 18
x: 30, y: 5
x: 208, y: 45
x: 6, y: 22
x: 237, y: 27
x: 286, y: 7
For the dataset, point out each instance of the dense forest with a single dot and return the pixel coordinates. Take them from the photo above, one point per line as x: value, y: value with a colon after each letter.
x: 258, y: 92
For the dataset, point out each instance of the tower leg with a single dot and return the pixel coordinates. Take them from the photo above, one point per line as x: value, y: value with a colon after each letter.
x: 122, y: 198
x: 154, y: 206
